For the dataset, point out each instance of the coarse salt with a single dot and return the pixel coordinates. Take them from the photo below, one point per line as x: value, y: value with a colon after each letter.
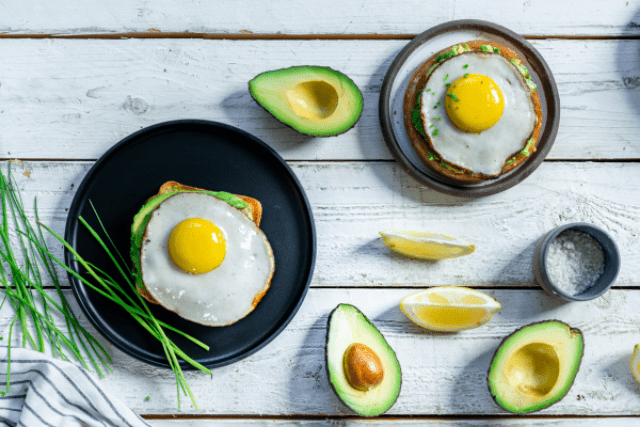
x: 575, y: 261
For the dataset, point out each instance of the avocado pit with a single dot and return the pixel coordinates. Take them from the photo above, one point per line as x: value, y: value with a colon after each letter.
x: 362, y: 367
x: 534, y: 369
x: 313, y: 100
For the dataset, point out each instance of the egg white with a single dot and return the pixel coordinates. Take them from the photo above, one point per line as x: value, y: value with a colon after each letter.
x: 487, y: 151
x: 225, y: 294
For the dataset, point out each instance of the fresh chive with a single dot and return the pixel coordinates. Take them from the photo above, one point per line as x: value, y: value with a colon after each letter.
x: 447, y: 84
x: 437, y: 118
x: 435, y: 132
x: 428, y: 90
x: 465, y: 66
x: 24, y: 288
x: 435, y: 106
x: 466, y: 75
x: 446, y: 77
x: 138, y: 309
x: 453, y: 96
x: 432, y: 125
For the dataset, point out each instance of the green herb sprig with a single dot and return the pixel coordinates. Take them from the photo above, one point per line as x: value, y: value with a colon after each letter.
x: 137, y: 308
x: 23, y: 285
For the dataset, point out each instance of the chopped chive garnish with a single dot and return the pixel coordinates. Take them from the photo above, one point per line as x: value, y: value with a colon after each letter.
x: 147, y: 398
x: 435, y: 132
x: 496, y: 50
x: 466, y: 75
x: 453, y: 96
x: 431, y: 126
x: 446, y: 77
x: 465, y: 66
x: 435, y: 106
x: 428, y: 90
x: 447, y: 84
x: 437, y: 118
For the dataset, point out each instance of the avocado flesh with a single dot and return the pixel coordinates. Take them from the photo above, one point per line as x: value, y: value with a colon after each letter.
x: 316, y: 101
x: 141, y: 219
x: 347, y: 325
x: 535, y: 366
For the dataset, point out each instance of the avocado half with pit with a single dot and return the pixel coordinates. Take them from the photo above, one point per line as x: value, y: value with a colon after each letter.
x: 362, y: 368
x: 535, y: 366
x: 316, y: 101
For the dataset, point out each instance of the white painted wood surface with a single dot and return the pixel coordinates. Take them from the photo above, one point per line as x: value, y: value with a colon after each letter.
x: 351, y: 202
x: 401, y: 422
x: 74, y: 99
x: 65, y: 102
x: 442, y: 373
x: 538, y: 17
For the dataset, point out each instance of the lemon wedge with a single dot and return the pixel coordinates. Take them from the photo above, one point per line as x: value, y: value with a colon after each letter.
x: 635, y: 362
x: 425, y: 244
x: 449, y: 308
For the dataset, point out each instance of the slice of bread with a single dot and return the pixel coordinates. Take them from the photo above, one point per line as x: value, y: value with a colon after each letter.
x: 253, y: 211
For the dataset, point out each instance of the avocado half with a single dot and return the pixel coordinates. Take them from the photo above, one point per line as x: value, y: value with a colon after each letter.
x: 316, y: 101
x: 347, y: 325
x: 535, y: 366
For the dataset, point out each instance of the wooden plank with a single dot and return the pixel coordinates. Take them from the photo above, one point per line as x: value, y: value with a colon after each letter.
x: 400, y: 422
x: 443, y: 374
x: 76, y: 98
x: 352, y: 201
x: 540, y: 17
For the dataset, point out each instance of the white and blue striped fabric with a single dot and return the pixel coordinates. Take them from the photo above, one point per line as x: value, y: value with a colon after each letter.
x: 47, y: 392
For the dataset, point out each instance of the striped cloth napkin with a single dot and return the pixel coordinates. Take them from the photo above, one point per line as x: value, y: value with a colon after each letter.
x: 47, y: 392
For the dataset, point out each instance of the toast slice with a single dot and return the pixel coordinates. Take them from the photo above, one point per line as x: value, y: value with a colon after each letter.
x: 253, y: 211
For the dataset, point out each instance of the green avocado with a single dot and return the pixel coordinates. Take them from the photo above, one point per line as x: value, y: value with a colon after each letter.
x: 141, y: 219
x: 349, y: 329
x: 316, y: 101
x: 535, y: 366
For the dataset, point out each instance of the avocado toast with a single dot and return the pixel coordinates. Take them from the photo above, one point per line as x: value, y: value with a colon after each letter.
x: 249, y: 206
x: 422, y: 139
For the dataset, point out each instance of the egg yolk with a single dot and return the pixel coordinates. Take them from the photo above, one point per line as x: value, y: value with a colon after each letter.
x: 474, y: 103
x: 197, y: 245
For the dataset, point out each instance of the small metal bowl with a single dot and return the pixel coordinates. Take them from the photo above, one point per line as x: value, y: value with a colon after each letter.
x: 606, y: 279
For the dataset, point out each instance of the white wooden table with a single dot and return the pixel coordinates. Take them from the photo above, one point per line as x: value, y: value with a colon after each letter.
x: 77, y: 76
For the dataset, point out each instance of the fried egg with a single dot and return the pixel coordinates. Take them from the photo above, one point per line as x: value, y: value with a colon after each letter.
x: 477, y: 111
x: 204, y: 259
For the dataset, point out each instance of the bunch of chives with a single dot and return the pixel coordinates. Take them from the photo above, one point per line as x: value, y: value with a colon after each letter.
x: 109, y: 288
x: 137, y: 307
x: 23, y: 285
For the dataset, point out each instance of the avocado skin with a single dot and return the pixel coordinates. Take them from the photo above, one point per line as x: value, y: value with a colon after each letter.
x: 326, y: 358
x: 293, y: 68
x: 579, y: 361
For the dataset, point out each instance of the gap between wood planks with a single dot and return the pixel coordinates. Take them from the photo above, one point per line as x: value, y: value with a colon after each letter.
x: 383, y: 418
x: 26, y: 159
x: 156, y: 34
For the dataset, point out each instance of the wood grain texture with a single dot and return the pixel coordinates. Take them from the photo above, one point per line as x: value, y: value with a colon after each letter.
x: 352, y: 201
x: 402, y: 422
x: 443, y: 374
x: 538, y: 17
x: 75, y: 98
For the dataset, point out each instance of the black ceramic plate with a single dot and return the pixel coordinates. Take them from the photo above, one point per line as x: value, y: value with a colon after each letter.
x: 205, y: 155
x: 419, y: 50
